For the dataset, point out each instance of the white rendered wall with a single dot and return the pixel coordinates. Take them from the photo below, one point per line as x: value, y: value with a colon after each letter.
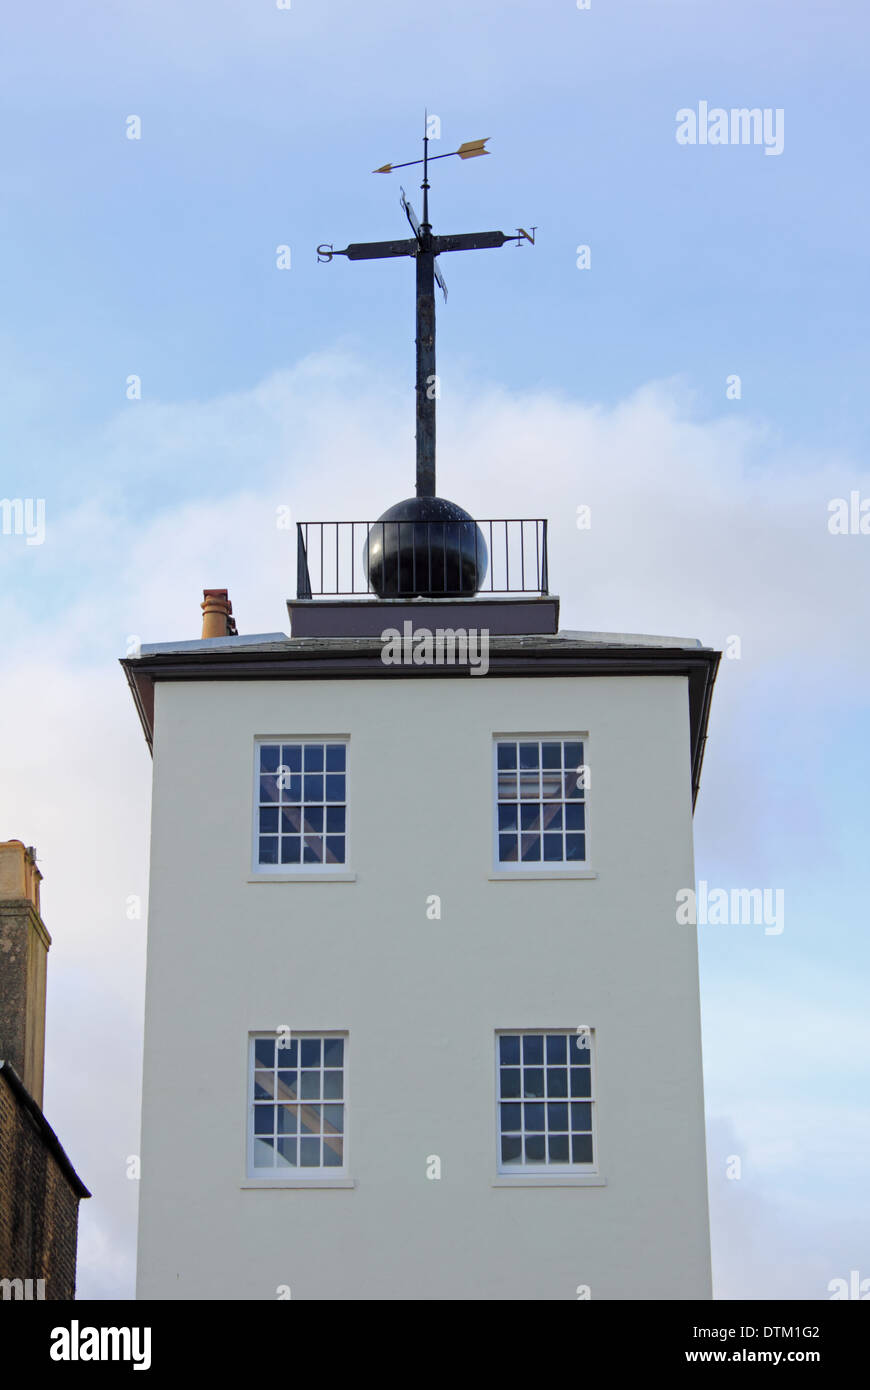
x: 421, y: 999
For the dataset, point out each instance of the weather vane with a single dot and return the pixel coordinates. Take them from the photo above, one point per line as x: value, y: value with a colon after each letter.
x: 425, y: 247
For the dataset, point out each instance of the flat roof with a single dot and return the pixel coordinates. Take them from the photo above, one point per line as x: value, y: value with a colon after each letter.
x: 630, y: 639
x: 212, y: 644
x: 275, y: 641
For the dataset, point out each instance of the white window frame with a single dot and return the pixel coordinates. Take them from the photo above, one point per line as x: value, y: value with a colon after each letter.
x: 298, y: 1176
x: 285, y: 873
x: 531, y: 1173
x: 540, y: 868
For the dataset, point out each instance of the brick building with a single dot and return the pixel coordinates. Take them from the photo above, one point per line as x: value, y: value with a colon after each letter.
x: 39, y: 1188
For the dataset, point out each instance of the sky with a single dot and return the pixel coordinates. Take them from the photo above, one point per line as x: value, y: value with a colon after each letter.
x: 609, y: 387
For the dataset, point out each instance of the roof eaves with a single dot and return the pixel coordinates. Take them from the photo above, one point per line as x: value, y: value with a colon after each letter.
x: 272, y: 655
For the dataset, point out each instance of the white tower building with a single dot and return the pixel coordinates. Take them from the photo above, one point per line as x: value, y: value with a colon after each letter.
x: 421, y: 1021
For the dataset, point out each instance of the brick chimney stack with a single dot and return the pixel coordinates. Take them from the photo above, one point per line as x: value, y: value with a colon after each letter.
x: 217, y: 614
x: 24, y: 944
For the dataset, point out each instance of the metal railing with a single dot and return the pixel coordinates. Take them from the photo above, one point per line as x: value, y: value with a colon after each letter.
x: 340, y: 559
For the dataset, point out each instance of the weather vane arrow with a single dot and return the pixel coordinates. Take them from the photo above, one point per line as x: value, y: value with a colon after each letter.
x: 469, y: 150
x: 425, y: 247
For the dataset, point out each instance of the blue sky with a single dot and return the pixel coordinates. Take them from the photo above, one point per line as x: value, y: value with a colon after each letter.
x: 559, y: 387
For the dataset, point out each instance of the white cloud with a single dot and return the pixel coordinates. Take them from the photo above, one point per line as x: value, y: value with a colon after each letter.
x: 769, y: 1244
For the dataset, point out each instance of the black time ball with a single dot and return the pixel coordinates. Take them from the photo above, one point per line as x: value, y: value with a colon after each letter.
x: 425, y: 547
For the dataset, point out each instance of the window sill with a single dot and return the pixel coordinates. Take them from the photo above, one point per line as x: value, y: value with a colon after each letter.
x: 549, y: 1180
x: 302, y: 877
x: 522, y: 875
x: 251, y: 1183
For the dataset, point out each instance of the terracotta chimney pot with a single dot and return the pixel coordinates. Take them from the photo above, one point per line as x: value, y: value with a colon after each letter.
x: 217, y: 614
